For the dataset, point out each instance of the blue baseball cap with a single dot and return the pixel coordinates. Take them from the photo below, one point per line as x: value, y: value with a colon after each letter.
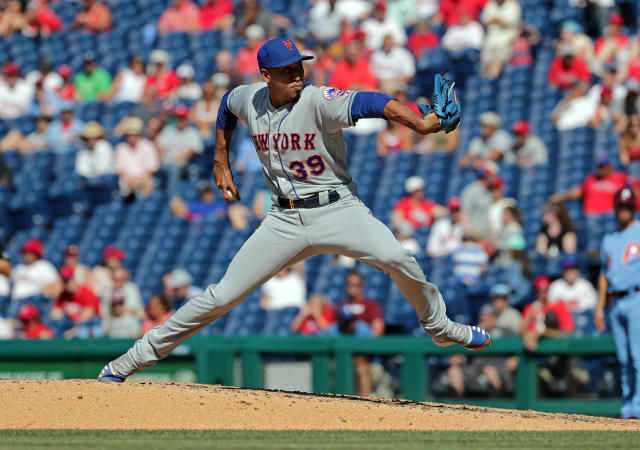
x: 570, y: 262
x: 279, y: 52
x: 500, y: 290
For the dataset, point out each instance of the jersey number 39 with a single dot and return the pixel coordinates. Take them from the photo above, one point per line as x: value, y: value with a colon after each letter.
x: 315, y: 165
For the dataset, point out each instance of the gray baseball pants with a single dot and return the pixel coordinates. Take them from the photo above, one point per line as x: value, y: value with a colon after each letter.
x: 285, y: 237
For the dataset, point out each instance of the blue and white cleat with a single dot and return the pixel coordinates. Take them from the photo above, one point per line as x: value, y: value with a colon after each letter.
x: 479, y: 339
x: 107, y: 375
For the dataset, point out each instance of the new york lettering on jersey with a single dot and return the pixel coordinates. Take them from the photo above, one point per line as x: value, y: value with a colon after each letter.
x: 300, y: 145
x: 284, y: 141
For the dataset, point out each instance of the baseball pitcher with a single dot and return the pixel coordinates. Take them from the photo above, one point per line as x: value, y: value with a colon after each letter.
x: 297, y: 131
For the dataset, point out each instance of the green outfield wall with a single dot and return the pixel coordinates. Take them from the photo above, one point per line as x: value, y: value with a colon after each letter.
x: 313, y: 364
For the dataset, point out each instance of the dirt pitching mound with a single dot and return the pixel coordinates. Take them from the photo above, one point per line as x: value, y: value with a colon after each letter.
x: 84, y: 404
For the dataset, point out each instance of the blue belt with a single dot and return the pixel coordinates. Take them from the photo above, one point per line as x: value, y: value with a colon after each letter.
x: 309, y: 202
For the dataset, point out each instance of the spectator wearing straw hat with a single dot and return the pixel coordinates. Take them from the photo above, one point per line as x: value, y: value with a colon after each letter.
x: 136, y: 160
x: 177, y: 144
x: 528, y: 149
x: 490, y: 145
x: 95, y: 157
x: 161, y: 80
x: 188, y: 89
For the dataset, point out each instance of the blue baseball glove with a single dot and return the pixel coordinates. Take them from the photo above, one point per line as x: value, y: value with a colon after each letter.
x: 445, y: 104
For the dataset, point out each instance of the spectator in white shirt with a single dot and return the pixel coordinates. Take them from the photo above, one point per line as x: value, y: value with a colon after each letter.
x: 502, y: 18
x: 577, y: 293
x: 575, y: 110
x: 467, y: 34
x: 490, y: 146
x: 447, y: 232
x: 16, y: 94
x: 176, y: 145
x: 128, y: 85
x: 95, y: 157
x: 392, y: 64
x: 188, y: 89
x: 326, y: 19
x: 35, y: 276
x: 50, y: 79
x: 528, y: 149
x: 285, y: 290
x: 377, y: 27
x: 136, y: 160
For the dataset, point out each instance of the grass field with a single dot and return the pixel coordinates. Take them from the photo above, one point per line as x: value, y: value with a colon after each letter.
x: 232, y: 439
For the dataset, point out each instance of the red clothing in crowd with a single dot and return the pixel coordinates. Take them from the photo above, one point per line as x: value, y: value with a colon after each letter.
x: 345, y: 75
x: 309, y: 324
x: 67, y: 91
x: 37, y: 331
x: 598, y: 193
x: 213, y: 12
x: 418, y: 214
x: 93, y: 16
x: 164, y: 84
x: 73, y: 304
x: 148, y: 324
x: 621, y: 41
x: 565, y: 319
x: 563, y: 77
x: 364, y: 309
x: 247, y: 61
x: 45, y: 19
x: 183, y: 18
x: 634, y: 68
x: 419, y: 42
x: 450, y: 10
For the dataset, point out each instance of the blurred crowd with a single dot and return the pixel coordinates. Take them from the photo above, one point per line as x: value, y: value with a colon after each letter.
x: 357, y: 44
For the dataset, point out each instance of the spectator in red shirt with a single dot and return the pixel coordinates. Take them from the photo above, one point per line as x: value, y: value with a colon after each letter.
x: 183, y: 15
x: 598, y: 188
x: 44, y: 19
x: 360, y: 316
x: 95, y: 17
x: 76, y: 306
x: 161, y: 79
x: 31, y: 324
x: 158, y: 311
x: 216, y: 15
x: 247, y: 57
x: 422, y: 39
x: 353, y: 71
x: 316, y: 317
x: 67, y: 90
x: 544, y: 318
x: 449, y: 11
x: 414, y: 208
x: 566, y: 69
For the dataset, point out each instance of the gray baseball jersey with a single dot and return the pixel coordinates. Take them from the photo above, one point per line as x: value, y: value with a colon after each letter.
x: 303, y: 152
x: 300, y: 145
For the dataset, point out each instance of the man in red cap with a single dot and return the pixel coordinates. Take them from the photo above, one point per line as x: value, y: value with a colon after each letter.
x: 102, y: 274
x: 177, y: 144
x: 544, y: 318
x: 35, y: 276
x: 31, y: 324
x: 68, y: 89
x: 16, y: 94
x: 528, y: 149
x: 608, y: 45
x: 447, y: 232
x: 76, y: 305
